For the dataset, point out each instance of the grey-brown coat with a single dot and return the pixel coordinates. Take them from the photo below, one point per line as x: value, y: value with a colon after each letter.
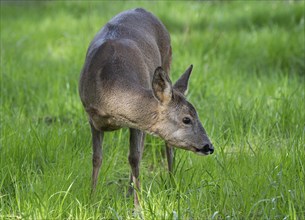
x: 125, y: 83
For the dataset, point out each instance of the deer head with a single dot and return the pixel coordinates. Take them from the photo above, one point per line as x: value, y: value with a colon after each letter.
x: 178, y: 122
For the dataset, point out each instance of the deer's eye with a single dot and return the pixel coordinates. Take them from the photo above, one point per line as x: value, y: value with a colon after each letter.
x: 186, y: 120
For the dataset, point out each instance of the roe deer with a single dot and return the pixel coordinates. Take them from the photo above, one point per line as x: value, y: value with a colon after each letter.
x: 125, y: 83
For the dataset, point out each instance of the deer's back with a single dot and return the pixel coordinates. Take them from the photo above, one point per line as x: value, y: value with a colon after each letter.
x: 122, y: 58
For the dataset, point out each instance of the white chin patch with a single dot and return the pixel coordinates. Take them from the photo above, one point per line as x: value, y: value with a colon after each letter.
x: 201, y: 153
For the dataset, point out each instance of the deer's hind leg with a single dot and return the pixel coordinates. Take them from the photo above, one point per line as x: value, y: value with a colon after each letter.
x: 97, y: 140
x: 135, y: 155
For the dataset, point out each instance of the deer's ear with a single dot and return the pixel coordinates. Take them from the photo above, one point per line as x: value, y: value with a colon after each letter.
x: 182, y: 82
x: 162, y: 86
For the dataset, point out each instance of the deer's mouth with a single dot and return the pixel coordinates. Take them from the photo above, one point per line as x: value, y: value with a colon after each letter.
x: 200, y: 151
x: 206, y: 150
x: 203, y: 151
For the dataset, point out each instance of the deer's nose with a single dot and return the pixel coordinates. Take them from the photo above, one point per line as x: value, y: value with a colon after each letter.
x: 208, y: 148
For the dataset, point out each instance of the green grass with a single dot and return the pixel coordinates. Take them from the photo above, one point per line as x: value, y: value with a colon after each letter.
x: 247, y: 85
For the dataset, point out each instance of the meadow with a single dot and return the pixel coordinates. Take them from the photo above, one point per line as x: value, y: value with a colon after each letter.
x: 247, y: 86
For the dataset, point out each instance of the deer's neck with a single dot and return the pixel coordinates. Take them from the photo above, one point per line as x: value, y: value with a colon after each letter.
x: 137, y: 109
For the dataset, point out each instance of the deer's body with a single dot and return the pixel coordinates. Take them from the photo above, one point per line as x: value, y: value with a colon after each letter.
x: 121, y: 86
x: 121, y: 61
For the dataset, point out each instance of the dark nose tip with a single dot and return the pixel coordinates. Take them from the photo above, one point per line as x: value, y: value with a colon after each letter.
x: 208, y: 148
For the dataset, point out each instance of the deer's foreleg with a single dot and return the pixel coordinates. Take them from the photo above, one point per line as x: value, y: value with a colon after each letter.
x: 135, y: 155
x: 97, y: 140
x: 170, y: 157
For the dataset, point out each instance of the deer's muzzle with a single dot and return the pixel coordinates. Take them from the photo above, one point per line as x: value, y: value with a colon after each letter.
x: 206, y: 150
